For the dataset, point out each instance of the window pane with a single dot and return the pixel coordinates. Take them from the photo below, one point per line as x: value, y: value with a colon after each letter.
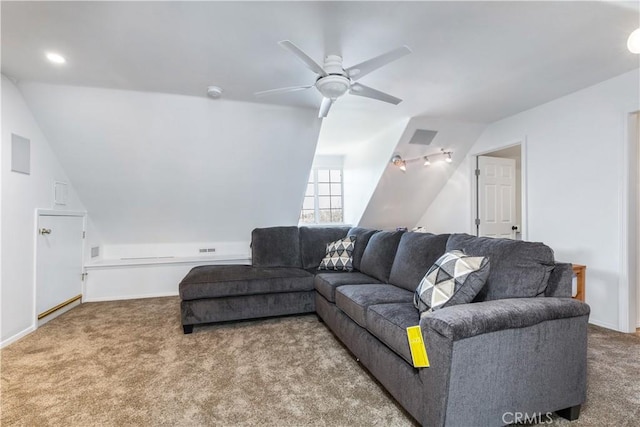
x: 309, y: 190
x: 323, y: 175
x: 336, y: 215
x: 336, y: 189
x: 323, y: 189
x: 336, y: 175
x: 336, y: 202
x: 324, y: 202
x: 311, y: 176
x: 325, y: 215
x: 307, y: 216
x: 308, y: 203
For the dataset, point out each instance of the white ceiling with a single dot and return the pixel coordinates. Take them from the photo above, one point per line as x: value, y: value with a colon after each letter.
x: 471, y: 61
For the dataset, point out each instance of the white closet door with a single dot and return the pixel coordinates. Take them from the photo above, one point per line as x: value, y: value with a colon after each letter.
x: 497, y: 197
x: 59, y: 260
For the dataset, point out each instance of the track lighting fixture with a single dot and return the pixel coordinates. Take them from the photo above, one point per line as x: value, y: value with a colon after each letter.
x: 401, y: 163
x: 397, y: 161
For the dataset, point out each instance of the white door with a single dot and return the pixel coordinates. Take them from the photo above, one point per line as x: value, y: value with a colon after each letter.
x: 58, y: 262
x: 496, y: 197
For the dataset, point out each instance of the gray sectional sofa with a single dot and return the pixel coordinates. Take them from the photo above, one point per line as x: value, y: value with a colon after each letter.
x: 519, y: 347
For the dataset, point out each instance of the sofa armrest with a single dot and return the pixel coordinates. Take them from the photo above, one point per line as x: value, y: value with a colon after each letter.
x: 560, y: 281
x: 468, y: 320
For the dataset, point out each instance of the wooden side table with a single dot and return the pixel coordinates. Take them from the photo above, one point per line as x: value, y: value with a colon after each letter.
x: 579, y: 271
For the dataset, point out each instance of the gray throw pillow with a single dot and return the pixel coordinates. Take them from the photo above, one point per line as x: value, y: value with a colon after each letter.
x: 454, y: 279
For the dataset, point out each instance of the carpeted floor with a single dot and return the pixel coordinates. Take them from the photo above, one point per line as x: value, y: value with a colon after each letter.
x: 128, y: 363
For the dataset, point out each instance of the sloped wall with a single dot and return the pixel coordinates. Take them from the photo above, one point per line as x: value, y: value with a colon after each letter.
x: 159, y: 168
x: 21, y: 196
x: 401, y: 198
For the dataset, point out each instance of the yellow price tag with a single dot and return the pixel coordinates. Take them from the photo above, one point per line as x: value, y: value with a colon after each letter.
x: 418, y: 350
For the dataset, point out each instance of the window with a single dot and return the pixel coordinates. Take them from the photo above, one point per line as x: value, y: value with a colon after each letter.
x: 323, y: 198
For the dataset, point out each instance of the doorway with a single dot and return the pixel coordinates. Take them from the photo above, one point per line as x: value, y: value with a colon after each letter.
x: 499, y: 199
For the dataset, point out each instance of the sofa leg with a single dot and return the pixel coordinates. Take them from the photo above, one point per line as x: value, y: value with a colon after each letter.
x: 187, y: 329
x: 570, y: 414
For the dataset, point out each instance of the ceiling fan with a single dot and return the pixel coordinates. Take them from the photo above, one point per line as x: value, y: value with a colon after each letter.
x: 333, y: 80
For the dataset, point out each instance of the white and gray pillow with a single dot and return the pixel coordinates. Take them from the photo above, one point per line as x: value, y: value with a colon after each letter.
x: 455, y: 278
x: 339, y: 255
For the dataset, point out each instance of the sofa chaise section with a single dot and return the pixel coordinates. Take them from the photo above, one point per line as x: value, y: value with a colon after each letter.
x: 277, y: 283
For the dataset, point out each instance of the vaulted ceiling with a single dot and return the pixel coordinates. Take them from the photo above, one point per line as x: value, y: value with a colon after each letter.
x: 471, y: 61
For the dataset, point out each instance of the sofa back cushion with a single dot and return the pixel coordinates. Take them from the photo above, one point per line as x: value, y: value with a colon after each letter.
x: 378, y: 256
x: 276, y: 247
x: 313, y: 243
x: 362, y: 239
x: 415, y: 255
x: 519, y: 269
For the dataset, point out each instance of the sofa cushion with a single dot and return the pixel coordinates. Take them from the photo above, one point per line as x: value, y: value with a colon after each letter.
x: 327, y: 282
x: 379, y: 254
x: 339, y: 255
x: 519, y: 269
x: 313, y: 243
x: 415, y: 255
x: 275, y: 247
x: 362, y: 239
x: 215, y: 281
x: 353, y: 300
x: 454, y: 279
x: 389, y: 323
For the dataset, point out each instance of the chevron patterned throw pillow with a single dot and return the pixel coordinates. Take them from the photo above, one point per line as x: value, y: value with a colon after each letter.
x: 455, y: 278
x: 339, y: 255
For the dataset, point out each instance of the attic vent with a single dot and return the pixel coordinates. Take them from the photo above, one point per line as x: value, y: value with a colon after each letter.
x: 423, y: 137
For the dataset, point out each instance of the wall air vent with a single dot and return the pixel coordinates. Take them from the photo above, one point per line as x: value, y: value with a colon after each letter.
x: 423, y: 136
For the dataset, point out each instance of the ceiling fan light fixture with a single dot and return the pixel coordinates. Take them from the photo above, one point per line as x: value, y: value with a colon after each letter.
x: 633, y: 42
x: 333, y: 86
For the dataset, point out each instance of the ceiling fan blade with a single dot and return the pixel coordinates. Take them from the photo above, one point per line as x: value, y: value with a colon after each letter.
x: 366, y: 91
x: 306, y: 59
x: 364, y: 68
x: 281, y: 90
x: 324, y: 107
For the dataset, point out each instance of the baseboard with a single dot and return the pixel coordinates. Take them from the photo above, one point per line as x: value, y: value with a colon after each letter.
x: 17, y: 336
x: 125, y: 297
x: 604, y: 325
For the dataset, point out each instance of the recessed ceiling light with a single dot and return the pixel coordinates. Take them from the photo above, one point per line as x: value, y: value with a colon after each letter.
x: 633, y: 43
x: 56, y: 58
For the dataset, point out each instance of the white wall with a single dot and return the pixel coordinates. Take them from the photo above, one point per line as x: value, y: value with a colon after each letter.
x: 21, y: 196
x: 575, y: 183
x: 159, y: 168
x: 363, y: 168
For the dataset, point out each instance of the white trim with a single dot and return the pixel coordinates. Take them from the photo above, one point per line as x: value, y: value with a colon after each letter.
x: 522, y: 142
x: 17, y: 336
x: 58, y: 212
x: 126, y: 297
x: 628, y: 318
x: 603, y: 324
x: 137, y: 262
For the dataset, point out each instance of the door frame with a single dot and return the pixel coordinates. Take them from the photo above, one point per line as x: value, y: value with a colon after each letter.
x: 522, y: 142
x: 629, y: 285
x: 51, y: 212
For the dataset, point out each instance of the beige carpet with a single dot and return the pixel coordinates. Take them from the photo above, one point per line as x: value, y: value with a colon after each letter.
x: 128, y: 363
